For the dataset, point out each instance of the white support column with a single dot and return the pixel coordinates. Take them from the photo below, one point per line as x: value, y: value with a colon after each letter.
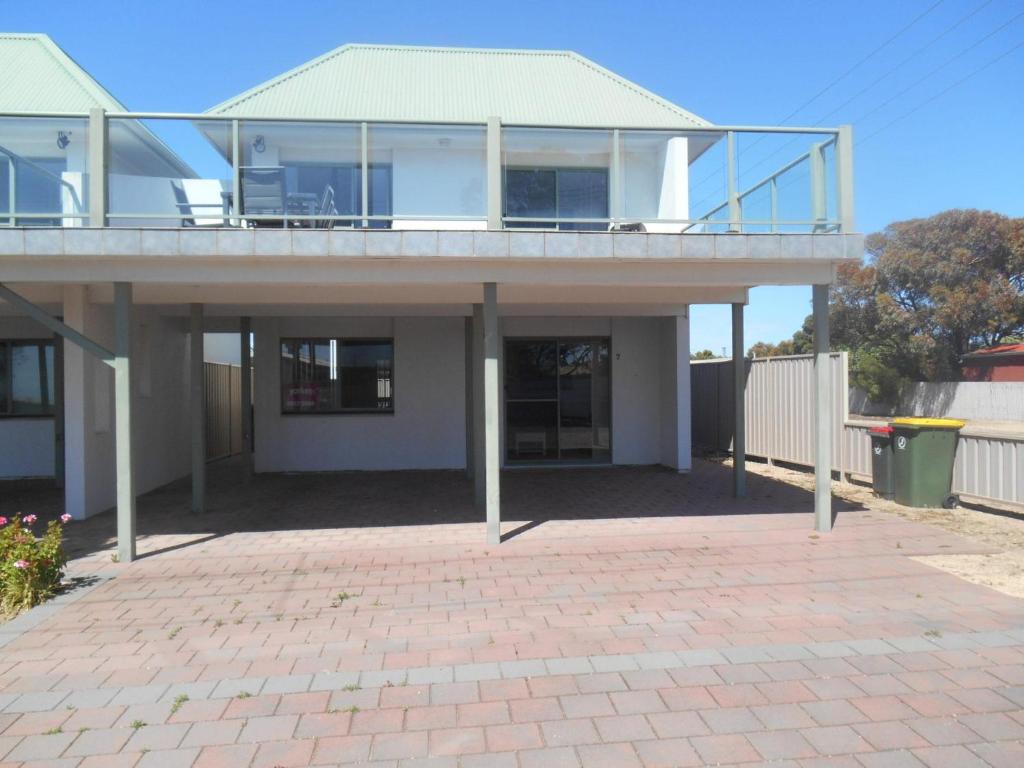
x: 739, y: 439
x: 123, y: 422
x: 197, y: 392
x: 822, y: 413
x: 245, y: 335
x: 477, y: 350
x: 844, y: 177
x: 492, y: 408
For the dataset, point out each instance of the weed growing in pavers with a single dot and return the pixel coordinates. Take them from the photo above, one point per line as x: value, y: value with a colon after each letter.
x: 898, y: 545
x: 83, y: 729
x: 238, y: 620
x: 918, y: 595
x: 114, y: 558
x: 218, y: 623
x: 376, y: 603
x: 933, y: 633
x: 340, y: 598
x: 236, y: 602
x: 244, y: 695
x: 351, y: 687
x: 353, y: 709
x: 136, y: 724
x: 462, y: 581
x: 173, y: 633
x: 814, y: 536
x: 179, y: 701
x: 53, y: 731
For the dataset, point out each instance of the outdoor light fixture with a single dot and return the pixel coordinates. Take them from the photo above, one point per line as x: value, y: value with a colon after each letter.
x: 259, y: 144
x: 63, y: 139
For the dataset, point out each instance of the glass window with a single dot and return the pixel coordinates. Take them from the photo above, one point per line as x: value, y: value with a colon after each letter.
x: 26, y: 378
x: 337, y: 375
x: 560, y: 193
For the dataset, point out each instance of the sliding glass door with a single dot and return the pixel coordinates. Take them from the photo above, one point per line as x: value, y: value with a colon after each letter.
x: 557, y: 400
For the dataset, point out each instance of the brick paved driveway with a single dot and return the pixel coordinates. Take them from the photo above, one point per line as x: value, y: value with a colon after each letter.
x: 637, y: 618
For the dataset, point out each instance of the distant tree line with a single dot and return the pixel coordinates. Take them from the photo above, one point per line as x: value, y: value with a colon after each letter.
x: 927, y: 292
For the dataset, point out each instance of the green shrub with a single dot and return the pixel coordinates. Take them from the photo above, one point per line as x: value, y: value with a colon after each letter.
x: 30, y: 568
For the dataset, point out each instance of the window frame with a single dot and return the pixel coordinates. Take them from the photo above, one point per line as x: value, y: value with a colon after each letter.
x: 6, y: 345
x: 594, y: 226
x: 341, y: 340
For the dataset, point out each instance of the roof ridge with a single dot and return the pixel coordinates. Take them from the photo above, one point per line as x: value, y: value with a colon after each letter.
x: 76, y: 71
x: 638, y: 89
x: 335, y: 52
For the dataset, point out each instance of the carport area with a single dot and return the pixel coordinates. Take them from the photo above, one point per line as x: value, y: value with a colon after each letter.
x: 633, y: 617
x: 405, y: 507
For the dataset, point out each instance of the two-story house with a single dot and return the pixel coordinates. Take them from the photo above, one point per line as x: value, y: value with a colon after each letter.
x: 445, y: 258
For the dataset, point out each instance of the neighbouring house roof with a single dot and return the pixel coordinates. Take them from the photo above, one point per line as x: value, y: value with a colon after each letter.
x: 458, y: 85
x: 1002, y: 351
x: 38, y: 76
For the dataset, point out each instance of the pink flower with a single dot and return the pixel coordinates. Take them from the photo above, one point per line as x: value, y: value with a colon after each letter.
x: 21, y: 564
x: 29, y: 519
x: 3, y: 521
x: 65, y: 518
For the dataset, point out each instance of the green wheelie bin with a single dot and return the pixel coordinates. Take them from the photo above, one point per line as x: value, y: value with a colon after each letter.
x: 923, y: 454
x: 881, y: 461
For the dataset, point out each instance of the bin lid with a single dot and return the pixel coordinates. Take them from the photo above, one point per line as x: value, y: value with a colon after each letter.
x: 910, y: 421
x: 883, y: 430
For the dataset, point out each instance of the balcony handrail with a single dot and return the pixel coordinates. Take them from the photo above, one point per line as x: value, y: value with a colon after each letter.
x: 767, y: 179
x: 203, y: 117
x: 63, y: 182
x: 821, y: 137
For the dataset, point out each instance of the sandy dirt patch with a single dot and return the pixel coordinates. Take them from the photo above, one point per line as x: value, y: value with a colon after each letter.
x: 1001, y: 528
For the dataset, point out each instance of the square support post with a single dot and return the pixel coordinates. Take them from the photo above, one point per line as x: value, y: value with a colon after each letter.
x: 739, y: 436
x: 197, y: 397
x: 735, y: 208
x: 124, y: 458
x: 492, y: 409
x: 477, y: 374
x: 494, y: 218
x: 844, y: 177
x: 469, y: 395
x: 97, y: 167
x: 245, y: 386
x: 822, y: 412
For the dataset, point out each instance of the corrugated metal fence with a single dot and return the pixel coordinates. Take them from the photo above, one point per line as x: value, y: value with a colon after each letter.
x: 779, y: 420
x: 223, y: 410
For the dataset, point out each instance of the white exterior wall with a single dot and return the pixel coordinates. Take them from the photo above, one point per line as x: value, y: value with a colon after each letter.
x: 26, y: 444
x: 426, y: 430
x: 160, y: 415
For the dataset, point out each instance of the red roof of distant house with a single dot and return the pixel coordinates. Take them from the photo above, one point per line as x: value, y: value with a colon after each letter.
x: 1000, y: 351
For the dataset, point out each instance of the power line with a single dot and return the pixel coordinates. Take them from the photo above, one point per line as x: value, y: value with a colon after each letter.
x: 861, y: 61
x: 909, y: 88
x: 937, y: 69
x: 944, y: 91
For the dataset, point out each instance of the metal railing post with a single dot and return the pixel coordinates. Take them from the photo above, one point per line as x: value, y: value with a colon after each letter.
x: 97, y: 167
x: 236, y: 175
x: 364, y: 133
x: 616, y: 177
x: 494, y: 173
x: 819, y: 205
x: 735, y: 209
x: 773, y: 191
x: 844, y: 177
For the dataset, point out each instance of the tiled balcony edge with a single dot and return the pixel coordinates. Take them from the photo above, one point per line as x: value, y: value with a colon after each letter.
x: 403, y: 244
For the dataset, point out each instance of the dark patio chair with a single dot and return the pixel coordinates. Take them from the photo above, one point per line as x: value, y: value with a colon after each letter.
x: 263, y: 194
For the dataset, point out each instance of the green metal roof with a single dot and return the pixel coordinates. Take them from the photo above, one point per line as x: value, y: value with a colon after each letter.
x: 40, y: 77
x: 459, y: 85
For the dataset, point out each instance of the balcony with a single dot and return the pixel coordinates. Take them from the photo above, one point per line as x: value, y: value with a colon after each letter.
x: 147, y: 170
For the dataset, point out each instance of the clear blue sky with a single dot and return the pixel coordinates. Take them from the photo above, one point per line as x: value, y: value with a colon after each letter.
x: 751, y: 62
